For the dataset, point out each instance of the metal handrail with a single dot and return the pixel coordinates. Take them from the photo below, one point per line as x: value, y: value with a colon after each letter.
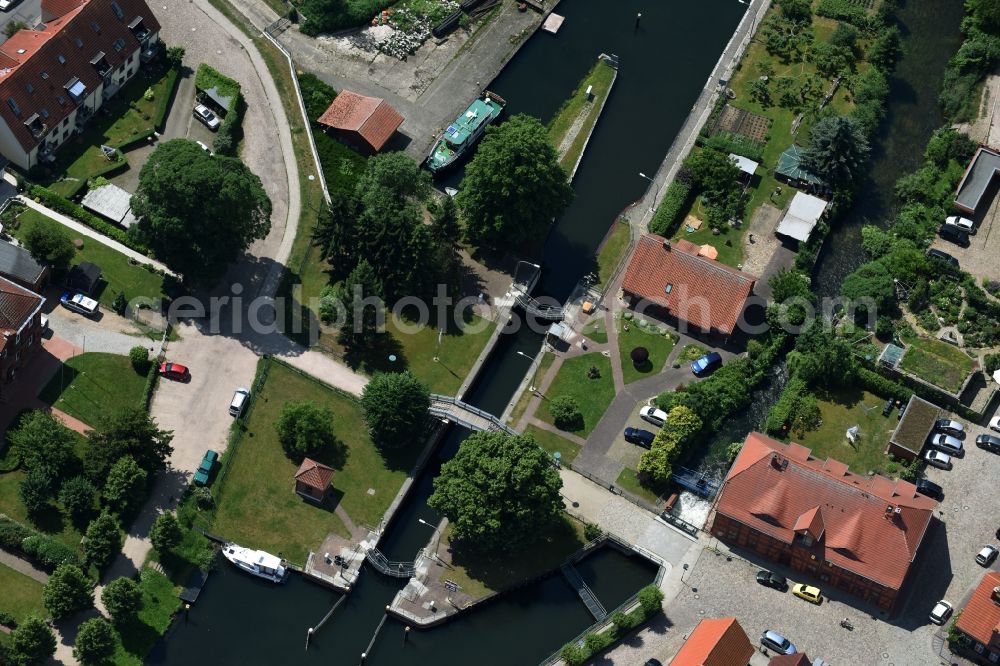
x: 464, y: 406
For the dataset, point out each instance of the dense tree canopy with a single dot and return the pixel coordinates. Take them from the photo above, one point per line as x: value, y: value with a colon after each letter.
x: 499, y: 491
x: 67, y: 591
x: 395, y: 406
x: 95, y: 641
x: 122, y: 598
x: 77, y: 497
x: 42, y: 442
x: 199, y: 211
x: 32, y: 642
x: 360, y: 323
x: 514, y: 186
x: 304, y: 428
x: 104, y: 540
x: 837, y: 152
x: 871, y: 282
x: 166, y: 532
x: 125, y: 488
x: 716, y: 177
x: 130, y: 431
x: 49, y: 243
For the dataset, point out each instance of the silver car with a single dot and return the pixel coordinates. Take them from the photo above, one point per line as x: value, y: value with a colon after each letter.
x: 941, y: 612
x: 963, y: 223
x: 948, y: 444
x: 937, y: 459
x: 209, y: 119
x: 950, y: 427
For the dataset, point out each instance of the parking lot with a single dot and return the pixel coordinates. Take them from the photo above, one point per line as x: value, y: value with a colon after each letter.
x: 979, y: 258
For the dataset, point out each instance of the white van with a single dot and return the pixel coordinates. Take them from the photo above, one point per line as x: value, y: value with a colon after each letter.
x: 239, y: 401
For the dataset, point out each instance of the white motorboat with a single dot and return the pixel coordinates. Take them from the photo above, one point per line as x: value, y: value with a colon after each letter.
x: 256, y: 562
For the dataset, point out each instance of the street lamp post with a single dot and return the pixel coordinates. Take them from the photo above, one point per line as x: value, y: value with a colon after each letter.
x: 434, y: 536
x: 531, y: 385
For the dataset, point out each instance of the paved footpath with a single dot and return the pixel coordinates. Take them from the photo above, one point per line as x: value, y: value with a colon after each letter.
x: 23, y: 567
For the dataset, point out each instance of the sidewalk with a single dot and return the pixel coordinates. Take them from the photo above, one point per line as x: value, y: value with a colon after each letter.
x: 23, y: 567
x: 84, y: 230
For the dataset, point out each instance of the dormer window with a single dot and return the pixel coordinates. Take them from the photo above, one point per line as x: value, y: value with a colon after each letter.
x: 29, y: 88
x: 116, y: 8
x: 35, y: 125
x: 95, y: 26
x: 100, y: 63
x: 45, y: 113
x: 138, y: 28
x: 13, y: 106
x: 76, y: 88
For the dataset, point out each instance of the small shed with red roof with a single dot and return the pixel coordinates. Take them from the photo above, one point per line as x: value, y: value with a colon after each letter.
x: 312, y: 481
x: 360, y: 121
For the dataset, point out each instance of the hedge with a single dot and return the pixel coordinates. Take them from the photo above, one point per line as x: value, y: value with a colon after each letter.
x: 42, y: 550
x: 70, y: 209
x: 882, y: 386
x: 163, y: 102
x: 152, y: 377
x: 650, y: 600
x: 8, y: 620
x: 667, y: 216
x: 844, y: 10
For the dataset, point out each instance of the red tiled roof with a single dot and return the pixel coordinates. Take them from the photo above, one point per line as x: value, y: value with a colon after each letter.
x: 981, y: 617
x: 55, y: 8
x: 797, y: 659
x: 370, y: 117
x: 17, y: 304
x: 872, y: 526
x: 41, y: 51
x: 702, y: 291
x: 313, y: 474
x: 716, y: 642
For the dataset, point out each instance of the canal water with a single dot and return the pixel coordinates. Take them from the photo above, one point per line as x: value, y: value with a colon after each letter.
x: 665, y: 61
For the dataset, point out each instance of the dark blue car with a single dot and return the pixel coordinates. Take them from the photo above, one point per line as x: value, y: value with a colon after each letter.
x: 706, y: 363
x: 643, y: 438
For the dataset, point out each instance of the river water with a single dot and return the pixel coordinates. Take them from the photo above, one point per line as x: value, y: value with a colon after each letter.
x: 665, y: 61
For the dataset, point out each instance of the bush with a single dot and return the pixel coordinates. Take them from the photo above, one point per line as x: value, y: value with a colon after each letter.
x: 304, y: 429
x: 77, y: 497
x: 40, y: 549
x: 573, y: 655
x: 95, y: 641
x: 8, y: 620
x: 139, y: 357
x: 667, y: 216
x: 992, y: 363
x: 650, y: 599
x: 104, y: 540
x: 67, y: 591
x: 175, y: 56
x: 592, y: 532
x: 166, y: 533
x: 122, y: 599
x: 316, y: 95
x: 566, y: 412
x: 844, y: 10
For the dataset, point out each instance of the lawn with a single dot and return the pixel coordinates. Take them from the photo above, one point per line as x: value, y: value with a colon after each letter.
x: 456, y: 355
x: 526, y: 395
x: 159, y: 603
x: 628, y: 481
x: 22, y: 596
x: 612, y: 251
x: 117, y: 272
x: 479, y: 576
x: 937, y: 362
x: 593, y: 395
x: 552, y: 442
x: 257, y: 506
x: 125, y: 118
x: 844, y: 409
x: 691, y: 353
x: 658, y: 345
x: 729, y: 242
x: 91, y: 384
x: 596, y: 330
x: 579, y: 106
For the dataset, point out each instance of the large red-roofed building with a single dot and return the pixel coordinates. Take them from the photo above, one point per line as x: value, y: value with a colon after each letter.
x: 20, y: 328
x: 674, y: 281
x: 980, y: 619
x: 365, y: 122
x: 859, y: 534
x: 55, y: 78
x: 715, y: 642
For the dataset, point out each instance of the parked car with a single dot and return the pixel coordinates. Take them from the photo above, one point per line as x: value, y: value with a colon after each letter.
x: 6, y: 5
x: 79, y: 303
x: 706, y: 363
x: 941, y: 612
x: 771, y: 579
x: 239, y: 401
x: 643, y: 438
x: 986, y: 556
x: 948, y: 444
x: 772, y: 640
x: 203, y: 146
x: 943, y: 257
x: 930, y: 489
x: 205, y: 468
x: 657, y: 417
x: 950, y: 427
x: 653, y: 662
x: 808, y: 592
x: 209, y: 119
x: 988, y: 442
x: 954, y: 234
x: 937, y: 459
x: 995, y: 423
x: 887, y: 408
x: 175, y: 371
x: 959, y: 222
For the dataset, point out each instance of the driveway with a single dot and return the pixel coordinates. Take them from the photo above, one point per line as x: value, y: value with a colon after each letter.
x: 979, y: 259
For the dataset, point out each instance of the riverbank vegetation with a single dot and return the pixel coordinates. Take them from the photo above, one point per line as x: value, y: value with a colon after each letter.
x: 570, y: 128
x: 961, y: 92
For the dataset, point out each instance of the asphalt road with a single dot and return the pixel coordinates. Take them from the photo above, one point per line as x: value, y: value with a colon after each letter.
x: 29, y: 12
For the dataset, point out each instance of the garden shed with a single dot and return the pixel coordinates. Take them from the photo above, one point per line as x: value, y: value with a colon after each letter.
x: 84, y: 277
x: 915, y: 425
x: 312, y: 480
x: 360, y: 121
x: 791, y: 171
x: 110, y: 202
x: 802, y: 216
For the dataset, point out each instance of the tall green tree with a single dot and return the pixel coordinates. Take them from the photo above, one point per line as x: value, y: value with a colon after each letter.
x: 514, y: 186
x: 128, y: 432
x: 446, y: 235
x: 361, y: 322
x: 33, y: 642
x: 36, y: 489
x: 837, y: 151
x: 500, y: 491
x: 395, y: 406
x: 67, y: 591
x: 305, y: 428
x: 125, y: 488
x: 166, y: 532
x: 873, y: 282
x: 95, y: 641
x: 49, y: 243
x: 336, y: 231
x: 42, y: 442
x: 199, y: 211
x: 77, y: 497
x: 104, y: 540
x: 122, y: 598
x: 716, y: 177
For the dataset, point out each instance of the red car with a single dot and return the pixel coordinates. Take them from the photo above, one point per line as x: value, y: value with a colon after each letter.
x: 175, y: 371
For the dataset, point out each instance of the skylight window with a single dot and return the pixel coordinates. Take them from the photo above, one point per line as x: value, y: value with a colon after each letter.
x: 78, y: 42
x: 13, y: 106
x: 61, y: 58
x: 116, y: 8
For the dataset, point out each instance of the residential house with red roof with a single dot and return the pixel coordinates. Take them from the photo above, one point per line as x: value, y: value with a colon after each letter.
x: 675, y: 282
x: 858, y: 534
x: 980, y: 619
x: 367, y: 123
x: 715, y: 642
x: 54, y: 79
x: 20, y: 328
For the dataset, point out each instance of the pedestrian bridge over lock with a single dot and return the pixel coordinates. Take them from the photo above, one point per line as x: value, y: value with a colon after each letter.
x: 464, y: 414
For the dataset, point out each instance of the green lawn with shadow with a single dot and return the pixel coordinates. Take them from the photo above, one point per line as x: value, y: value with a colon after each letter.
x: 93, y: 384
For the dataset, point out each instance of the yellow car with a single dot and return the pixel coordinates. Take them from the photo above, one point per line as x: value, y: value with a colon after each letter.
x: 808, y: 592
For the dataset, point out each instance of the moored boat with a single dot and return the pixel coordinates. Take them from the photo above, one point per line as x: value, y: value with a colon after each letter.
x: 255, y: 562
x: 465, y: 131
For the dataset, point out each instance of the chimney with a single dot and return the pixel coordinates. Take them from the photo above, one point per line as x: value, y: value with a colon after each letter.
x: 996, y: 595
x: 666, y: 245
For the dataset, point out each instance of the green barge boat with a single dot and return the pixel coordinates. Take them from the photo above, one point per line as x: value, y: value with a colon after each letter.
x: 465, y: 131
